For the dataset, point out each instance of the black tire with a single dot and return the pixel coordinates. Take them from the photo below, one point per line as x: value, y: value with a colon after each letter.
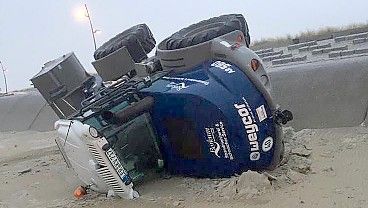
x: 132, y: 38
x: 207, y: 30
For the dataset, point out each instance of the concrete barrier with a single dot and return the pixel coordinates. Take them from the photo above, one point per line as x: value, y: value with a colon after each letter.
x: 323, y: 94
x: 268, y: 50
x: 351, y: 37
x: 311, y: 48
x: 26, y: 110
x: 270, y: 58
x: 360, y: 41
x: 348, y: 52
x: 289, y: 60
x: 275, y: 53
x: 328, y: 50
x: 341, y: 53
x: 301, y: 45
x: 361, y: 51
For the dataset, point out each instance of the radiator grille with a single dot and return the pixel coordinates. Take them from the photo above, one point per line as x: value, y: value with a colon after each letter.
x: 110, y: 180
x: 104, y: 171
x: 92, y: 149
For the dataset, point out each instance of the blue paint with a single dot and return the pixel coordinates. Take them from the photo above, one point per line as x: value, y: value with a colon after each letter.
x: 204, y: 98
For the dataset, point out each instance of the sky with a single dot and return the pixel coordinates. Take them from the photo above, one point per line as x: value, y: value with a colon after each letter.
x: 33, y: 32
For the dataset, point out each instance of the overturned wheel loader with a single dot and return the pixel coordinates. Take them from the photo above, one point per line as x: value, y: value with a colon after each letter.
x: 200, y: 107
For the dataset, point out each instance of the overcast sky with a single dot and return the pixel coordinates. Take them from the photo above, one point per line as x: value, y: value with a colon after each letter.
x: 34, y: 32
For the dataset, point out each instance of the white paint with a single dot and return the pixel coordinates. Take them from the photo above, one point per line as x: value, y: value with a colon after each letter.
x: 224, y: 66
x: 254, y: 156
x: 261, y: 112
x: 267, y: 144
x: 177, y: 86
x: 226, y: 44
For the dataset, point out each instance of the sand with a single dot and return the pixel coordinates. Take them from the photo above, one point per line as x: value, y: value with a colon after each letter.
x: 322, y: 168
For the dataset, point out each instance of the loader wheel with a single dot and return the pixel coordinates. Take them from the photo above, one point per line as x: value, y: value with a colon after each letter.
x: 138, y: 40
x: 207, y: 30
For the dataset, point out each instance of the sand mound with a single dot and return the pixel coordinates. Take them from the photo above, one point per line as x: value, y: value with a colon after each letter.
x: 248, y: 185
x: 253, y: 185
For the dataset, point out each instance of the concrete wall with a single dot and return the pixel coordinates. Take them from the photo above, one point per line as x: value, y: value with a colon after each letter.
x: 26, y: 111
x: 330, y: 93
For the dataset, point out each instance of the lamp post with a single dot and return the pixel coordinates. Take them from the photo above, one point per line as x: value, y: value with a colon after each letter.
x: 6, y: 84
x: 93, y: 31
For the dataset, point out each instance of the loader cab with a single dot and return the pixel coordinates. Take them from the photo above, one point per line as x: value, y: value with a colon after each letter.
x: 133, y: 139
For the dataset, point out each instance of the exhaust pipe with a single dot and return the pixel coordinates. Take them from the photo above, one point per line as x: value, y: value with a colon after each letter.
x: 128, y: 113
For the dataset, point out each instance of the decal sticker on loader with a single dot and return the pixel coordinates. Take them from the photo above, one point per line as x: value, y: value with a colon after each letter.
x: 251, y: 129
x: 226, y: 44
x: 224, y: 66
x: 177, y: 86
x: 111, y: 155
x: 183, y: 79
x: 261, y: 113
x: 254, y: 156
x: 267, y: 144
x: 213, y: 144
x: 217, y: 140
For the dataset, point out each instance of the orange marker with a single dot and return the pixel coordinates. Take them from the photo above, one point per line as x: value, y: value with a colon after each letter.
x: 79, y: 192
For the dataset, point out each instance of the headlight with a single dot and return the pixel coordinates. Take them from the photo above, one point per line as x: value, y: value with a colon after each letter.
x: 93, y: 132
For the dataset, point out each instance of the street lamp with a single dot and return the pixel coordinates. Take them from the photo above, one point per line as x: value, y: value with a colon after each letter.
x: 81, y: 13
x: 93, y: 31
x: 6, y: 84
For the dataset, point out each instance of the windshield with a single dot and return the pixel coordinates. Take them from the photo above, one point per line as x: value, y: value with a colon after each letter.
x: 137, y: 147
x: 134, y: 142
